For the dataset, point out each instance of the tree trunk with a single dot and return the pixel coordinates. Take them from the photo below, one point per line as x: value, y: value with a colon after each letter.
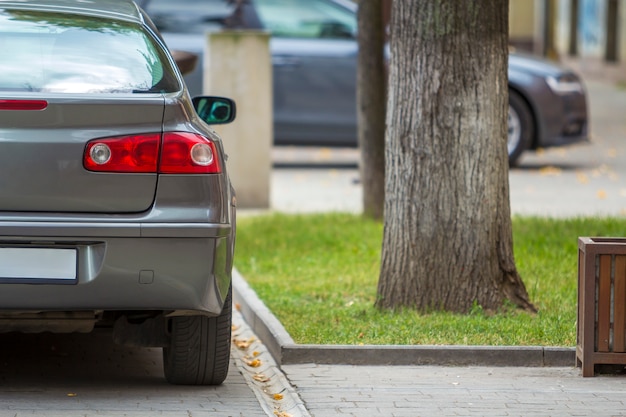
x: 447, y: 235
x: 371, y: 103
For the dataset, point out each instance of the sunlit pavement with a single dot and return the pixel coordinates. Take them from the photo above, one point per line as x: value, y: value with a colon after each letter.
x: 580, y: 180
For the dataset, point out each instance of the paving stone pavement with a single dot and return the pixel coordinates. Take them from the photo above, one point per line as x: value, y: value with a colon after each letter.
x: 81, y: 375
x: 413, y: 391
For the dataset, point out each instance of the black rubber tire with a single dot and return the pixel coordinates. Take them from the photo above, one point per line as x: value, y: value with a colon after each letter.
x: 199, y: 348
x: 524, y: 136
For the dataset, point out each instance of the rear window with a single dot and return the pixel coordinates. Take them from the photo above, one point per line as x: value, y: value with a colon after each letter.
x: 64, y: 53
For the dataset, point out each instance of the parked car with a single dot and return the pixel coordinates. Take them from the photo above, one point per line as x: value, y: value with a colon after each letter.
x: 116, y: 207
x: 314, y: 52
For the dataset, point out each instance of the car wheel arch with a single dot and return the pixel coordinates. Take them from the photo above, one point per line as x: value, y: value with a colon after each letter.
x: 534, y: 143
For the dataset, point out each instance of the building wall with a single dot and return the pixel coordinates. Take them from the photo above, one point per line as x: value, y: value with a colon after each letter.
x: 592, y: 56
x: 621, y: 32
x: 522, y: 24
x: 563, y: 26
x: 591, y: 29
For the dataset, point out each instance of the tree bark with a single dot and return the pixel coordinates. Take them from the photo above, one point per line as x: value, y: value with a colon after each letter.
x: 371, y: 104
x: 448, y: 241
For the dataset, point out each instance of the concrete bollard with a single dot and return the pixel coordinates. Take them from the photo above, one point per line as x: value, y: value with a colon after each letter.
x: 237, y: 64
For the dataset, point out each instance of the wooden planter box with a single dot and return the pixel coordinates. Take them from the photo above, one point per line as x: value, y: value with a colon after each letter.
x: 601, y: 328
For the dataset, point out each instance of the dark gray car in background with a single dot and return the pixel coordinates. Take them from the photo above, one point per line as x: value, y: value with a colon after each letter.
x: 116, y: 209
x: 314, y: 53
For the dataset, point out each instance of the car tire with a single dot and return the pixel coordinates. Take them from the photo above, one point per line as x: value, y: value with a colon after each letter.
x: 198, y: 352
x: 520, y: 129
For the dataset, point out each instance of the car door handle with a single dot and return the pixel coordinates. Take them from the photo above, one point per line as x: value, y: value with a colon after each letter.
x: 285, y: 61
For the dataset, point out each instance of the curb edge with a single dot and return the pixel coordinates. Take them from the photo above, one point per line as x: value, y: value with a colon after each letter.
x: 286, y: 352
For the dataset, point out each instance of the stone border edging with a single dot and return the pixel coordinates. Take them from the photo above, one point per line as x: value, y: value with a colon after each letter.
x: 286, y: 352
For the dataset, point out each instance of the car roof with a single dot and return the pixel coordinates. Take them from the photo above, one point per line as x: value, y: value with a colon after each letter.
x: 112, y: 9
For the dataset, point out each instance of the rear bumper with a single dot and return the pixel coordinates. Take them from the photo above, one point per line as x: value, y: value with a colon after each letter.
x: 125, y: 266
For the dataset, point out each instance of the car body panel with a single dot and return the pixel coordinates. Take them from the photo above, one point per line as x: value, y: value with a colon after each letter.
x: 146, y: 243
x: 110, y: 279
x: 310, y: 99
x: 41, y: 155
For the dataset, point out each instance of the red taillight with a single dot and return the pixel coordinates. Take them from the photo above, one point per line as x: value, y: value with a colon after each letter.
x: 136, y: 153
x: 179, y: 153
x: 188, y: 153
x: 23, y: 104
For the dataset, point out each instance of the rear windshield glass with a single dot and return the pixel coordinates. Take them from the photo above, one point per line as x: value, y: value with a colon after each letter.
x: 64, y: 53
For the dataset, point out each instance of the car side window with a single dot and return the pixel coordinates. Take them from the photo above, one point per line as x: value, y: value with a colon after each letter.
x: 306, y: 19
x: 189, y: 16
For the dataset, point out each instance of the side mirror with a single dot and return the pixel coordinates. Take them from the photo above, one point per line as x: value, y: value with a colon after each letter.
x: 215, y: 110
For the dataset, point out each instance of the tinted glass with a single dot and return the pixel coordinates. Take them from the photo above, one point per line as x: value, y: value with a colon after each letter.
x: 190, y: 16
x: 63, y: 53
x: 306, y: 19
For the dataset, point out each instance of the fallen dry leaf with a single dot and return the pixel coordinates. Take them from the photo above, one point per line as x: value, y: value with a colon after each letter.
x: 254, y: 363
x: 238, y: 306
x: 243, y: 344
x: 261, y: 378
x: 277, y: 397
x: 601, y: 194
x: 582, y: 178
x: 256, y: 353
x: 71, y: 394
x: 282, y: 414
x: 550, y: 171
x: 324, y: 154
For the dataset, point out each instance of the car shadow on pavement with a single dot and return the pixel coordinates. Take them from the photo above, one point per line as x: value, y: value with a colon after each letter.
x: 65, y: 360
x: 546, y: 166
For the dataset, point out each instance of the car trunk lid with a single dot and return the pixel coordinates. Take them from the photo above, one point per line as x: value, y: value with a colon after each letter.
x: 41, y: 153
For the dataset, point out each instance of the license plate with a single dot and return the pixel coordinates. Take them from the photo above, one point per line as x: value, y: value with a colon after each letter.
x: 36, y: 264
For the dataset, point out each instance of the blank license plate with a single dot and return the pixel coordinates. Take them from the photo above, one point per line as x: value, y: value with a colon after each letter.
x: 37, y: 264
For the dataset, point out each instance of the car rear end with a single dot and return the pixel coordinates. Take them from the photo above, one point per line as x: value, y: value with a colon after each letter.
x: 115, y: 204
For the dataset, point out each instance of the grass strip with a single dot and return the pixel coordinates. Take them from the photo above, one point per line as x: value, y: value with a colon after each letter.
x: 318, y: 274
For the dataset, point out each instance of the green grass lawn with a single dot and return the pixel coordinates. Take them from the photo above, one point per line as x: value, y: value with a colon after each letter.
x: 318, y: 274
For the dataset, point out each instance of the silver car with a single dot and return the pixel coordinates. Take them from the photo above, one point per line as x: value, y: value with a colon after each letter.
x: 115, y: 203
x: 314, y: 55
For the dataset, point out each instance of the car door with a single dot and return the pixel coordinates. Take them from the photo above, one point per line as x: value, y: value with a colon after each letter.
x: 314, y: 57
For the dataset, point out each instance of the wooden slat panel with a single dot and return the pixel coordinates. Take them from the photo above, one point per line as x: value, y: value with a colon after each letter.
x: 581, y: 298
x: 619, y: 302
x: 604, y: 303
